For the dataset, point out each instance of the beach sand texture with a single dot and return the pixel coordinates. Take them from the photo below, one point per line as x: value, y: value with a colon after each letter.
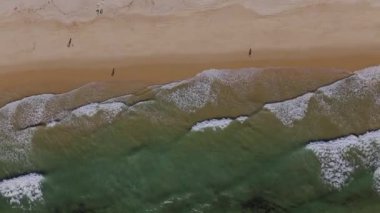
x: 156, y: 41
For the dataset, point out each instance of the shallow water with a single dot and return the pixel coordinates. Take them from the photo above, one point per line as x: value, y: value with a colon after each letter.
x: 223, y: 141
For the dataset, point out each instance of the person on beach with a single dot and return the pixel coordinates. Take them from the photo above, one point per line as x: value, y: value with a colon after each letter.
x: 113, y: 72
x: 69, y: 43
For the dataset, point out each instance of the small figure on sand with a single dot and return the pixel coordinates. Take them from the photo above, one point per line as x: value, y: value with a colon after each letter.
x: 113, y: 72
x: 69, y: 44
x: 250, y: 52
x: 99, y: 11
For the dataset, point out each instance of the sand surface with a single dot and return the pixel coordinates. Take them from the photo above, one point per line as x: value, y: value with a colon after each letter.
x: 156, y: 41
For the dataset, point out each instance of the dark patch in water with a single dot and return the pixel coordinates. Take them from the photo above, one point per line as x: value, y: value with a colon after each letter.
x: 137, y: 149
x: 80, y: 208
x: 258, y: 204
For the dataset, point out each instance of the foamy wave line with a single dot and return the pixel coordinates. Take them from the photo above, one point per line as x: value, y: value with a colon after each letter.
x: 109, y: 112
x: 195, y: 93
x: 291, y: 110
x: 376, y: 180
x: 24, y: 187
x: 19, y: 120
x: 215, y: 124
x: 340, y: 158
x: 362, y: 83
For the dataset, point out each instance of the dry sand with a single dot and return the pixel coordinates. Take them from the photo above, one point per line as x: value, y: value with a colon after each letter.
x: 156, y: 41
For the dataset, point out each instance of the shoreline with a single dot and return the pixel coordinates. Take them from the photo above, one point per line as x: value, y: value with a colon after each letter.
x: 136, y: 74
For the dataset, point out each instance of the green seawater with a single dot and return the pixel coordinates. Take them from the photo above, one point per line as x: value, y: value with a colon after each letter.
x: 244, y: 169
x: 150, y: 161
x: 145, y: 167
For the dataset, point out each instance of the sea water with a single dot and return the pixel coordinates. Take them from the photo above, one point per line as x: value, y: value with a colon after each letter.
x: 248, y: 140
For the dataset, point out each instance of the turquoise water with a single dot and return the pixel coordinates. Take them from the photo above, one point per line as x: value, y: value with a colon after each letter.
x: 142, y: 156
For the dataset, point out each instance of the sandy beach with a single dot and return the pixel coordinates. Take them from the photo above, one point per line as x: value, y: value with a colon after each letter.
x: 190, y: 106
x: 152, y: 42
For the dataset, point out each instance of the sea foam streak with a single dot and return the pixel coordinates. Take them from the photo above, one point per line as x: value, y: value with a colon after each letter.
x: 329, y: 99
x: 361, y: 83
x: 291, y: 110
x: 341, y: 157
x: 195, y: 93
x: 216, y: 124
x: 376, y: 180
x: 32, y: 110
x: 108, y: 111
x: 24, y: 187
x: 19, y: 120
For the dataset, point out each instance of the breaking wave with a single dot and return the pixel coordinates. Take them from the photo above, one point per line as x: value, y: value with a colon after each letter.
x: 23, y: 187
x: 205, y: 88
x: 341, y: 157
x: 361, y: 89
x: 215, y: 124
x: 351, y: 104
x: 21, y: 119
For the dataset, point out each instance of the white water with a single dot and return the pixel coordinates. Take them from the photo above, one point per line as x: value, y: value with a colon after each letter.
x: 216, y: 124
x: 195, y: 93
x: 24, y: 187
x: 363, y: 84
x: 19, y: 120
x: 291, y: 110
x: 376, y: 180
x: 341, y: 157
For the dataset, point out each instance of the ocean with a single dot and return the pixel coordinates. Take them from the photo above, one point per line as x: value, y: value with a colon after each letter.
x: 246, y: 140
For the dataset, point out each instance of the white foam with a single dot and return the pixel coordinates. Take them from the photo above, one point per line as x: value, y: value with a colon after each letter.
x: 29, y: 111
x: 33, y: 108
x: 175, y: 199
x: 369, y: 73
x: 216, y: 124
x: 339, y: 158
x: 213, y: 124
x: 362, y: 82
x: 173, y: 85
x: 15, y: 116
x: 52, y: 124
x: 24, y: 187
x: 193, y: 96
x: 88, y: 110
x: 141, y: 106
x: 291, y: 110
x: 242, y: 119
x: 122, y: 99
x: 18, y: 118
x: 107, y: 111
x: 376, y: 180
x: 195, y: 93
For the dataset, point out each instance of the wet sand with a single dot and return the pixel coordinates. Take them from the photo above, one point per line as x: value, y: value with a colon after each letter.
x: 132, y: 75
